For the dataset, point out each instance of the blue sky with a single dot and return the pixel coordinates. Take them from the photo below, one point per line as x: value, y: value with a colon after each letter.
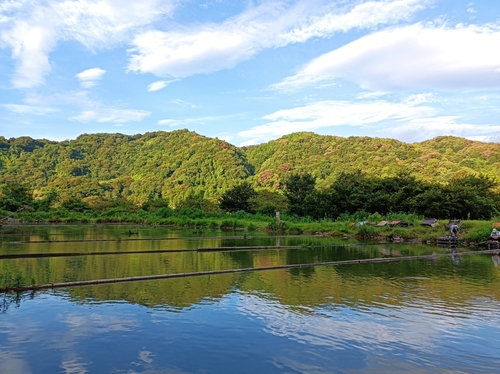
x: 250, y: 71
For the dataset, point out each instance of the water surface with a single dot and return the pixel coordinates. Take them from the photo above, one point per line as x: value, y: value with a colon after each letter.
x: 418, y: 316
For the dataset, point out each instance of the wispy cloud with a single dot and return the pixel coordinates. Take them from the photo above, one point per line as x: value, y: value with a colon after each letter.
x: 184, y: 104
x: 364, y: 15
x: 90, y: 77
x: 89, y: 109
x: 30, y: 45
x: 160, y: 85
x: 29, y: 109
x: 410, y: 119
x: 207, y: 48
x: 192, y: 121
x: 426, y: 128
x: 410, y: 57
x: 32, y: 29
x: 108, y: 114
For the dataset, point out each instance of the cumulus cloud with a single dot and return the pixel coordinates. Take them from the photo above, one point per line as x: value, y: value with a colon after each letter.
x: 30, y: 45
x: 411, y: 119
x: 90, y: 77
x: 211, y: 47
x: 410, y: 57
x: 31, y: 29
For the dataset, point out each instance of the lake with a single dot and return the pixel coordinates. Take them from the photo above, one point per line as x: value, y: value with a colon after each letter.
x: 417, y: 316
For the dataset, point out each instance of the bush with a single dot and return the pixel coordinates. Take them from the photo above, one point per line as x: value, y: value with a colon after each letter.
x: 251, y: 227
x: 276, y: 226
x: 295, y: 230
x: 366, y: 231
x: 477, y: 234
x: 230, y: 224
x: 399, y: 232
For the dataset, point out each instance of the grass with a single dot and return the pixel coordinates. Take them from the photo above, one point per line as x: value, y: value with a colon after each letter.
x: 471, y: 231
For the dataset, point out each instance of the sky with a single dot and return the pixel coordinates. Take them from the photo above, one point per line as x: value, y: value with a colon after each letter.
x: 250, y: 71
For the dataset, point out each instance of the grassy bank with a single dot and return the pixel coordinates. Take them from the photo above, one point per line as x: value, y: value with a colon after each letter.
x: 345, y: 225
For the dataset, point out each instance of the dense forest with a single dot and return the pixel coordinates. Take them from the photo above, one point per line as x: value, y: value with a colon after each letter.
x: 304, y: 174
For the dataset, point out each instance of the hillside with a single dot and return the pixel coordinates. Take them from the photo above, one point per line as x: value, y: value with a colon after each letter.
x: 436, y: 160
x: 178, y: 164
x: 170, y: 165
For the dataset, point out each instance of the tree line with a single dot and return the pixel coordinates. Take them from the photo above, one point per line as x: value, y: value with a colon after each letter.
x: 468, y: 197
x: 177, y: 165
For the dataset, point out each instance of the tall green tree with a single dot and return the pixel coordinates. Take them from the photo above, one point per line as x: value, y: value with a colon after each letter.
x: 298, y: 189
x: 15, y: 196
x: 238, y: 198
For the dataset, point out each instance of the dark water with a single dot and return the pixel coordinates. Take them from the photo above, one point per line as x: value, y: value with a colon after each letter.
x: 418, y: 316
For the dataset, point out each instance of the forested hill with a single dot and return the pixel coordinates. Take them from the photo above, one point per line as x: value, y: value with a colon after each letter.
x: 170, y: 165
x: 178, y: 164
x: 438, y: 160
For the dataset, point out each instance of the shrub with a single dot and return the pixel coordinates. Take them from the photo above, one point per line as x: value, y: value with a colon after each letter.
x: 251, y: 227
x: 276, y: 226
x: 477, y: 234
x: 366, y: 231
x: 230, y: 224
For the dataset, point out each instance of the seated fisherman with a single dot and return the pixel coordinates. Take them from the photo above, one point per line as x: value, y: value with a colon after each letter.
x: 454, y: 229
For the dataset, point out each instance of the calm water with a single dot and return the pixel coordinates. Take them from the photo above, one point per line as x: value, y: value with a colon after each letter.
x: 440, y: 316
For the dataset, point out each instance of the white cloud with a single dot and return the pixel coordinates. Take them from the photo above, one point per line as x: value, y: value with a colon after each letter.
x: 411, y: 57
x: 370, y: 95
x: 78, y: 99
x: 89, y: 109
x: 32, y: 29
x: 159, y: 85
x: 29, y: 109
x: 334, y: 113
x: 411, y: 119
x: 170, y: 122
x: 206, y: 48
x: 90, y: 77
x: 427, y: 128
x: 362, y: 16
x: 184, y: 104
x: 30, y: 45
x: 190, y: 121
x: 211, y: 47
x: 108, y: 114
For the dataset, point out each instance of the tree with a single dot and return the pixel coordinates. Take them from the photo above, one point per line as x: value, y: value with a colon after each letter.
x: 15, y: 196
x: 297, y: 188
x: 238, y: 198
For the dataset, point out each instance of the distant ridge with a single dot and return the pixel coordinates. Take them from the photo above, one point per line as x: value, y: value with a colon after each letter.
x: 174, y: 165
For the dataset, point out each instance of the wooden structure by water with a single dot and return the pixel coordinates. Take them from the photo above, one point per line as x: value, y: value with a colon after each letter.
x: 493, y: 242
x: 447, y: 240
